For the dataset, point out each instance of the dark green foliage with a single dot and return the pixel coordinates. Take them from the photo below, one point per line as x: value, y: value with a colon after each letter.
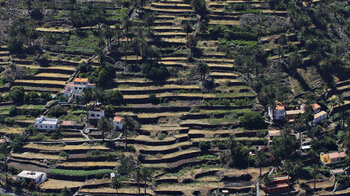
x: 155, y: 71
x: 17, y: 95
x: 13, y: 111
x: 204, y: 145
x: 127, y: 165
x: 113, y: 97
x: 153, y: 99
x: 86, y: 15
x: 324, y: 144
x: 57, y: 111
x: 31, y: 96
x: 106, y: 74
x: 284, y: 146
x: 66, y: 192
x: 17, y: 142
x: 45, y: 96
x: 253, y: 120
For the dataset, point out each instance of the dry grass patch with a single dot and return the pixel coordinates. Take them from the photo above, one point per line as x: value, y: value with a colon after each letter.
x: 160, y: 148
x: 123, y: 191
x: 84, y: 147
x: 42, y: 82
x: 55, y: 30
x: 43, y: 147
x: 54, y: 75
x: 37, y: 156
x: 60, y: 184
x: 11, y: 130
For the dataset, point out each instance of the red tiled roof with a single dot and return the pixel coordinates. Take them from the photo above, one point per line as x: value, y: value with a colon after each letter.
x: 118, y: 118
x: 80, y: 80
x: 315, y: 106
x: 279, y: 105
x: 66, y: 123
x: 335, y: 155
x: 274, y: 132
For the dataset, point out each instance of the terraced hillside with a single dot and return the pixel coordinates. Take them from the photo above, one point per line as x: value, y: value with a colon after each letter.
x: 190, y: 122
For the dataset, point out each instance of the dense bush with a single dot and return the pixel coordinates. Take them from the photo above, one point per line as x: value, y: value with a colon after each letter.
x: 155, y: 71
x: 57, y: 111
x: 153, y: 98
x: 204, y: 145
x: 253, y: 120
x: 17, y: 95
x: 13, y: 111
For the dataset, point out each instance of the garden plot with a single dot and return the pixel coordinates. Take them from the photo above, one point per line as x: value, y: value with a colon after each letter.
x: 36, y: 156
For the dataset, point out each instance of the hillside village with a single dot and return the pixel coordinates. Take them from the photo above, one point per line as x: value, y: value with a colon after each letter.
x: 174, y: 97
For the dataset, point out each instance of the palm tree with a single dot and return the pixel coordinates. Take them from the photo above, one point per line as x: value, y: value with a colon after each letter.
x: 187, y: 28
x: 116, y: 183
x: 138, y: 177
x: 129, y: 125
x: 146, y: 175
x: 191, y: 44
x: 260, y: 158
x: 149, y: 20
x: 315, y: 172
x: 104, y: 125
x: 126, y: 23
x: 107, y: 33
x: 203, y: 69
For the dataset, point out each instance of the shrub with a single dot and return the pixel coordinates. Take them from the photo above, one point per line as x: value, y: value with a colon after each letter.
x: 253, y: 120
x: 161, y: 136
x: 17, y: 95
x: 57, y: 111
x: 204, y: 145
x: 45, y: 96
x: 155, y: 71
x: 63, y: 154
x: 13, y: 111
x: 153, y: 98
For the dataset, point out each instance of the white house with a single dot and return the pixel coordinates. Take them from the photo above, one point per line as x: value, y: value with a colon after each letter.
x: 37, y: 177
x: 117, y: 122
x: 96, y: 113
x: 44, y: 123
x: 278, y: 113
x: 319, y: 117
x: 77, y: 86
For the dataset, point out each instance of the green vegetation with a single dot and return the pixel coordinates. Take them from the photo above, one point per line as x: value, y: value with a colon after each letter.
x: 80, y: 172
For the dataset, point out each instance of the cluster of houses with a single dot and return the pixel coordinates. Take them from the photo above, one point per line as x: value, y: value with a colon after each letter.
x: 280, y: 112
x: 94, y: 114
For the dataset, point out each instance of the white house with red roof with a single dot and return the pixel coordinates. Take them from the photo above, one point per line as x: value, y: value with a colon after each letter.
x: 117, y: 122
x: 77, y: 87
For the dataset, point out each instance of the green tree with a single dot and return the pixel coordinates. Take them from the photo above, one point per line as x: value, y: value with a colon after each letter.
x: 315, y: 172
x: 17, y: 95
x: 105, y: 126
x: 146, y: 175
x: 187, y: 28
x: 129, y: 126
x: 191, y: 44
x: 116, y: 183
x: 57, y: 111
x: 260, y: 159
x: 203, y: 69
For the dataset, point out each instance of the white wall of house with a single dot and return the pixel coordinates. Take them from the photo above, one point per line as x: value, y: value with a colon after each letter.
x: 96, y: 114
x: 117, y: 124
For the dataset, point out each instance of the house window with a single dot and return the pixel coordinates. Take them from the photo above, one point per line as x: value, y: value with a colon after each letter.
x: 51, y: 127
x: 98, y: 115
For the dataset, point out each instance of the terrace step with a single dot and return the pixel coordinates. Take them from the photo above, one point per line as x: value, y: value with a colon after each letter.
x: 155, y: 89
x: 171, y: 5
x: 146, y: 140
x: 153, y: 150
x: 172, y: 157
x: 40, y: 83
x: 180, y: 12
